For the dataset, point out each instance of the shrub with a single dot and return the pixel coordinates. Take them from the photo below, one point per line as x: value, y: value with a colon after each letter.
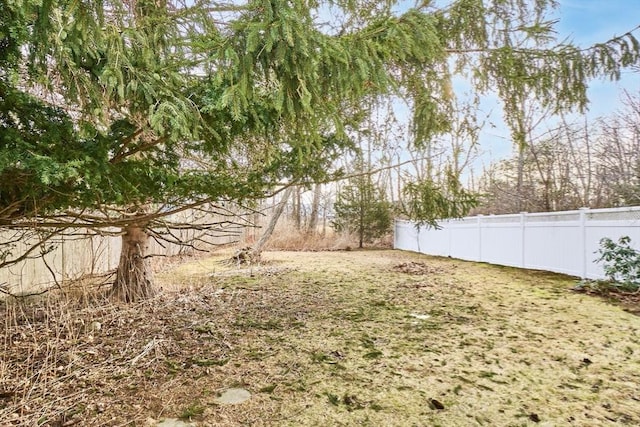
x: 621, y: 262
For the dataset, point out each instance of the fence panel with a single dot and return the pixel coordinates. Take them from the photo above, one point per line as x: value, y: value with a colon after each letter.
x: 436, y: 244
x: 564, y: 242
x: 77, y: 254
x: 501, y: 243
x: 464, y: 243
x: 406, y: 236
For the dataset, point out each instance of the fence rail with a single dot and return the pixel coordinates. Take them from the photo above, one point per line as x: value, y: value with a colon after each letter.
x: 563, y: 242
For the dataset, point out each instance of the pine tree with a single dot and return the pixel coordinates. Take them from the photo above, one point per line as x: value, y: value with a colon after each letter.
x: 116, y: 114
x: 363, y: 209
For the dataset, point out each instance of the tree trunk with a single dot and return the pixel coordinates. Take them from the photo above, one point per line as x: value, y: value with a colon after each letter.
x: 251, y: 254
x: 520, y: 180
x: 134, y: 280
x: 257, y: 248
x: 315, y: 209
x: 361, y: 221
x: 297, y: 209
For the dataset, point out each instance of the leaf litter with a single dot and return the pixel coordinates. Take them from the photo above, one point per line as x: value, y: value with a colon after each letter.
x: 326, y: 338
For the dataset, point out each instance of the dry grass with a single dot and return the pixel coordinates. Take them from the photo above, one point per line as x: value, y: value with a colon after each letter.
x: 374, y: 338
x: 300, y: 241
x: 286, y: 237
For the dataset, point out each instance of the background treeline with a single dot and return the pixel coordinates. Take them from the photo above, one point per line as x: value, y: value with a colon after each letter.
x: 566, y: 162
x: 574, y: 164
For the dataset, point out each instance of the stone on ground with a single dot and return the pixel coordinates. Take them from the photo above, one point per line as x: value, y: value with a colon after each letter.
x: 234, y: 396
x: 173, y: 422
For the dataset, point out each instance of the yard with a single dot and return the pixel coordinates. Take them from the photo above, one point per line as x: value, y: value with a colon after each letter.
x: 366, y: 338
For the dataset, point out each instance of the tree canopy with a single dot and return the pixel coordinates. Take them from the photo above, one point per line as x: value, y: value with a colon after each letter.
x: 109, y: 107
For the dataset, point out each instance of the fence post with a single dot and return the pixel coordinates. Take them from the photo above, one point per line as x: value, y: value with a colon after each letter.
x: 523, y: 246
x: 63, y: 255
x: 479, y: 224
x: 583, y: 241
x: 395, y: 233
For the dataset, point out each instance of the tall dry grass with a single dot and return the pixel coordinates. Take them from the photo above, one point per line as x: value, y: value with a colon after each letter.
x: 288, y: 237
x: 40, y: 353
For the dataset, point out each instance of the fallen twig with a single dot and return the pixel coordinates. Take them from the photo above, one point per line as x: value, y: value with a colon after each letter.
x: 147, y: 348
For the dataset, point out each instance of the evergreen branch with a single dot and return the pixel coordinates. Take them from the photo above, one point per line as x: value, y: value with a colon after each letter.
x: 125, y: 218
x: 137, y: 149
x: 612, y: 40
x: 353, y: 175
x: 125, y: 143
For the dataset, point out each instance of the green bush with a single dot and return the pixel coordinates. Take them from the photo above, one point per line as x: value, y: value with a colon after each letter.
x: 621, y: 263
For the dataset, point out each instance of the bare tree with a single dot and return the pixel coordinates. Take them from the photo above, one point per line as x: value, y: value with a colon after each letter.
x: 618, y: 153
x: 572, y: 165
x: 312, y: 226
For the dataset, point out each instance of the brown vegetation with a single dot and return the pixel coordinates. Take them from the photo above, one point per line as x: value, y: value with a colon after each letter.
x: 326, y: 338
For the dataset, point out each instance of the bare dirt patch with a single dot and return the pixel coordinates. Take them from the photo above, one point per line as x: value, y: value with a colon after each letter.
x: 629, y: 301
x: 327, y: 338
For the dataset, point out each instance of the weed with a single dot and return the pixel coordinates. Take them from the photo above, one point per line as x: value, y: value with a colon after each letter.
x: 368, y: 342
x: 333, y: 399
x: 328, y: 358
x: 210, y: 362
x: 373, y: 354
x: 486, y: 374
x: 205, y: 328
x: 173, y: 366
x: 268, y: 389
x: 381, y: 304
x: 192, y: 411
x: 376, y: 407
x: 267, y: 325
x: 352, y: 402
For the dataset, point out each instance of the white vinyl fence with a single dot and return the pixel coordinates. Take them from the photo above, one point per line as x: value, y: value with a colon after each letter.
x: 563, y: 242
